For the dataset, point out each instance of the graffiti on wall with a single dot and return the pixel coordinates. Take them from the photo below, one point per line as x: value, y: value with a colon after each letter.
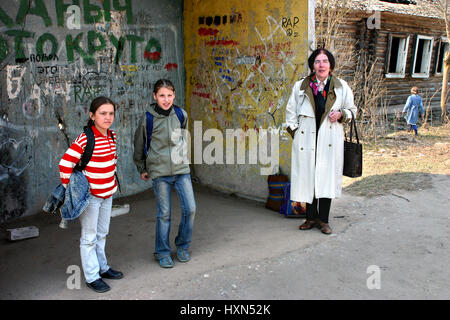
x: 242, y: 60
x: 244, y: 84
x: 15, y: 156
x: 55, y: 57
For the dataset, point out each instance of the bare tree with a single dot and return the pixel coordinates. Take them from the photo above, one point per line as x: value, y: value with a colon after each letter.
x: 330, y: 15
x: 442, y: 7
x: 352, y: 62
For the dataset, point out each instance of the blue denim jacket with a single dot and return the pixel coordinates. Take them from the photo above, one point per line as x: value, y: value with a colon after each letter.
x: 72, y: 200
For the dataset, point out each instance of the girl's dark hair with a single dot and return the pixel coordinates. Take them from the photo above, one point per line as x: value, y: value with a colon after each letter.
x: 95, y: 104
x: 315, y: 53
x: 163, y: 83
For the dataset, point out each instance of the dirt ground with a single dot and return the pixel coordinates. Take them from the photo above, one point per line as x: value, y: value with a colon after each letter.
x: 403, y: 161
x: 399, y: 224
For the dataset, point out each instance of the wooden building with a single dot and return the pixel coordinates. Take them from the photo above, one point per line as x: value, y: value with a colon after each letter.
x: 405, y: 39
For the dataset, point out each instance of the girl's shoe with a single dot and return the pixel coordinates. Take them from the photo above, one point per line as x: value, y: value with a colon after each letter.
x: 166, y: 262
x: 183, y: 255
x: 98, y: 286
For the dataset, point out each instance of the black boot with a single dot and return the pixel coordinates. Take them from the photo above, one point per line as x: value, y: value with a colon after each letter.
x: 98, y: 286
x: 112, y: 274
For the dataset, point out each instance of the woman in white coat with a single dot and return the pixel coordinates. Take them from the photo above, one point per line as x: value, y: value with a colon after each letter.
x: 317, y: 108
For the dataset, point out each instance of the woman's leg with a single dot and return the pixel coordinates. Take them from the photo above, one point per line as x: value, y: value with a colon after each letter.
x: 324, y: 212
x: 311, y: 216
x: 324, y: 209
x: 311, y: 210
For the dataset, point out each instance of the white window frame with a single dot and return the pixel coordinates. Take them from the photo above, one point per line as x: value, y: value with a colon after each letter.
x: 401, y: 56
x: 444, y: 41
x: 426, y: 58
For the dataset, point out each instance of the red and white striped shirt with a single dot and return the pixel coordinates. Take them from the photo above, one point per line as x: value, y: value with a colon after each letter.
x: 100, y: 169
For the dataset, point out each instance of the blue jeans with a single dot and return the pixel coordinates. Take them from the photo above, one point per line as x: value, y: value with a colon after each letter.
x: 94, y: 229
x: 163, y: 190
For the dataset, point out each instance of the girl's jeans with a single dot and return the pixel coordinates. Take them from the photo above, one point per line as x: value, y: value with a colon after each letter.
x: 94, y: 228
x: 163, y: 190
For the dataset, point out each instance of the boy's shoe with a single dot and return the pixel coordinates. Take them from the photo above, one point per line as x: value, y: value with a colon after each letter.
x: 183, y: 255
x: 98, y: 286
x: 166, y: 262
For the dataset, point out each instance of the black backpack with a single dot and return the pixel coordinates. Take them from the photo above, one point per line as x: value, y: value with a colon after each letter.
x: 89, y: 149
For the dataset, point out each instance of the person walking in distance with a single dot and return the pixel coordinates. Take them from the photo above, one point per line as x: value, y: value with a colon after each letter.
x: 413, y: 109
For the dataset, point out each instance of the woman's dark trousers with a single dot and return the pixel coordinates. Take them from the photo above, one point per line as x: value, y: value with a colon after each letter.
x: 322, y: 213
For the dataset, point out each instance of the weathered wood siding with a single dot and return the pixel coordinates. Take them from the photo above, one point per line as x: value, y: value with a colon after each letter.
x: 374, y: 43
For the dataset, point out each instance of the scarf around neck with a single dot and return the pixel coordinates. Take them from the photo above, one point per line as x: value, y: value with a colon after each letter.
x: 314, y: 84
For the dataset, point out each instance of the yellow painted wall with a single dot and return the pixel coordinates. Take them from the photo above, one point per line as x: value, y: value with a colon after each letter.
x: 242, y: 59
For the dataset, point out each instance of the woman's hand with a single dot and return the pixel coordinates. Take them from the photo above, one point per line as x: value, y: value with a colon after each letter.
x: 144, y: 176
x: 334, y: 116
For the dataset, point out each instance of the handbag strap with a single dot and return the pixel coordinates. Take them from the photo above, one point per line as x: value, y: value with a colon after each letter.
x: 352, y: 124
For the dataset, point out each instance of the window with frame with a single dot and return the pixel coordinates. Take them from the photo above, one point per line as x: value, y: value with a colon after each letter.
x: 442, y: 47
x: 396, y: 54
x: 422, y: 57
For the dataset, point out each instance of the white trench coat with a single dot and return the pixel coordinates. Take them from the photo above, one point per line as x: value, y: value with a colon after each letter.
x: 317, y: 172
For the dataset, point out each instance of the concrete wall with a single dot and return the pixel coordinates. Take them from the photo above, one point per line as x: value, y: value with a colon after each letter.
x: 53, y: 64
x: 242, y: 59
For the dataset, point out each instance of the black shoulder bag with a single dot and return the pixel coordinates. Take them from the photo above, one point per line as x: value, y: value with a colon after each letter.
x: 352, y: 153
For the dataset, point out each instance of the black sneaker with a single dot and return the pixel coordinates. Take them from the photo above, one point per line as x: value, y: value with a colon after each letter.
x: 112, y: 274
x: 98, y: 286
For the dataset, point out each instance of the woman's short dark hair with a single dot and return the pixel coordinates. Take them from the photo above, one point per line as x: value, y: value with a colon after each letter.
x: 163, y: 83
x: 95, y: 104
x: 318, y: 51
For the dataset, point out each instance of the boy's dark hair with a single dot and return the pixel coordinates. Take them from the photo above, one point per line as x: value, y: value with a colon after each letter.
x: 318, y: 51
x: 95, y: 104
x: 163, y: 83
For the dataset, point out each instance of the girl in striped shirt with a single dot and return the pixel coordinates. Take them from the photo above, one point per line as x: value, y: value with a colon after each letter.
x: 100, y: 175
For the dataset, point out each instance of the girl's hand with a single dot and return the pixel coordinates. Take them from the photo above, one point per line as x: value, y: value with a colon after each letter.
x: 144, y: 176
x: 334, y: 116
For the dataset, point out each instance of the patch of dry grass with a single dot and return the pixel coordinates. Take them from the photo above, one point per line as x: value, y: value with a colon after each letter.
x: 401, y: 161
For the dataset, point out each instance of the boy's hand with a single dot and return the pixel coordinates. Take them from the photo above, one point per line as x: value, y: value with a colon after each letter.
x: 144, y: 176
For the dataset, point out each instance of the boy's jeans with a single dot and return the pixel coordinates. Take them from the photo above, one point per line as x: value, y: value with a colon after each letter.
x: 94, y: 228
x: 163, y: 190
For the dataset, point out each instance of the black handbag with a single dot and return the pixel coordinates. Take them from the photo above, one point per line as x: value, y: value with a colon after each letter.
x: 352, y: 153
